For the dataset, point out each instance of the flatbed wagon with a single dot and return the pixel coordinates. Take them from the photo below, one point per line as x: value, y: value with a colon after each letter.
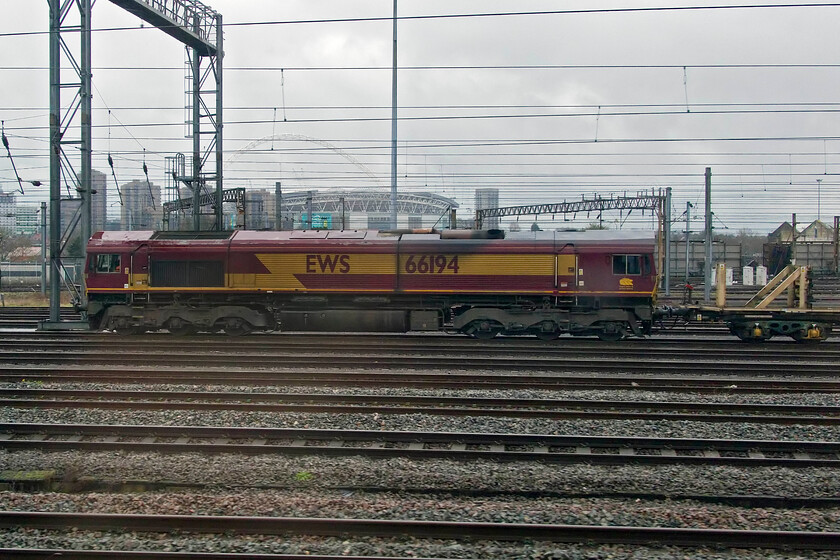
x: 782, y: 308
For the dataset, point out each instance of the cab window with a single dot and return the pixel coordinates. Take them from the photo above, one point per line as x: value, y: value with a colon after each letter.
x: 106, y: 263
x: 627, y: 265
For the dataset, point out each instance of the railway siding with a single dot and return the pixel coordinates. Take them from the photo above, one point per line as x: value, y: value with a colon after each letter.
x: 396, y: 454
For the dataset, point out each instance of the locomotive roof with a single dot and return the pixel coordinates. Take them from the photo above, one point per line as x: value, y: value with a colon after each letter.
x: 588, y: 237
x: 617, y: 237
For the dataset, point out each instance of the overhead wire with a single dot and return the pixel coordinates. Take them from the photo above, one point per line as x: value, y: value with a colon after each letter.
x: 449, y: 145
x: 111, y: 162
x: 6, y: 145
x: 541, y: 13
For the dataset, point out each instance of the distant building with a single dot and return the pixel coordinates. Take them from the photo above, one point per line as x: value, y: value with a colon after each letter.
x: 816, y: 232
x: 814, y: 248
x: 486, y: 199
x: 98, y: 201
x: 141, y: 208
x: 8, y: 209
x: 259, y: 209
x: 782, y: 234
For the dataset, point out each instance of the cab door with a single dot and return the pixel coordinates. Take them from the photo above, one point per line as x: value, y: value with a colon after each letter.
x: 567, y: 266
x: 138, y: 278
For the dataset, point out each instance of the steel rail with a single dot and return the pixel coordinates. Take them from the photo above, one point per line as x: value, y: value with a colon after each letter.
x: 798, y: 540
x: 433, y: 405
x: 420, y: 360
x: 644, y: 351
x: 408, y: 342
x: 228, y: 376
x: 611, y: 450
x: 65, y: 554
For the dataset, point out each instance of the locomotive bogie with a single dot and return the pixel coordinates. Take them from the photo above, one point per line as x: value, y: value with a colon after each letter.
x: 183, y: 319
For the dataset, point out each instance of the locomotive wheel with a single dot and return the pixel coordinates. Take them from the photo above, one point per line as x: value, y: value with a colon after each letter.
x: 234, y: 326
x: 486, y: 335
x: 610, y: 336
x: 123, y: 327
x: 178, y: 327
x: 547, y: 330
x: 611, y: 332
x: 485, y: 330
x: 548, y: 336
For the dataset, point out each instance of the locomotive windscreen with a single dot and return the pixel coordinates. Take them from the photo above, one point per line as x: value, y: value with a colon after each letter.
x: 187, y: 274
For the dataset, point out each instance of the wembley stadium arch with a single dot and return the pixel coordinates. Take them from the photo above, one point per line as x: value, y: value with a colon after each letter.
x: 330, y: 209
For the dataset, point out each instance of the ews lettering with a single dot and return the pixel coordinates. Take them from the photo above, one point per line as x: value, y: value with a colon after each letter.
x: 323, y: 264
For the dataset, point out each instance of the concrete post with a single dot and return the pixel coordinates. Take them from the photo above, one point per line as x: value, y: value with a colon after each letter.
x: 707, y: 291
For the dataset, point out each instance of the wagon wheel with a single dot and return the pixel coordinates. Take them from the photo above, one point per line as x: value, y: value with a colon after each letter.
x: 746, y: 333
x: 802, y: 335
x: 128, y: 331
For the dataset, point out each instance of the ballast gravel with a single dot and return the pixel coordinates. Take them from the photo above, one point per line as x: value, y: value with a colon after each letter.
x: 436, y: 507
x: 331, y: 487
x: 394, y: 505
x: 728, y: 396
x: 425, y: 423
x: 401, y: 548
x: 402, y: 473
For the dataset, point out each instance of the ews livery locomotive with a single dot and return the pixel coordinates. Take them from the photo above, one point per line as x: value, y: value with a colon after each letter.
x: 478, y: 283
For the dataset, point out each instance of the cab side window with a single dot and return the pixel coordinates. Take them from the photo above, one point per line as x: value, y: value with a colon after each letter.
x: 107, y: 263
x: 627, y: 265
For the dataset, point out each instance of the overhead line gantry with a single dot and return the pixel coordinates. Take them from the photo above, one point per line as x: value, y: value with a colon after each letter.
x: 653, y: 202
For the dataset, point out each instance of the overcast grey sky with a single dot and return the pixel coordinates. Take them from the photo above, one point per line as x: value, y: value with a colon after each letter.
x: 624, y: 101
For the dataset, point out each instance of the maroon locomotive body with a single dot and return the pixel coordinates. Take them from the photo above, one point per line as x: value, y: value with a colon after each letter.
x: 541, y: 283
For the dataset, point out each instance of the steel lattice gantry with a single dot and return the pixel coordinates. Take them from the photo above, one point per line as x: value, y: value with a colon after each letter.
x: 597, y: 204
x: 199, y: 28
x: 234, y: 196
x: 365, y: 201
x: 69, y: 168
x: 659, y: 203
x: 189, y: 21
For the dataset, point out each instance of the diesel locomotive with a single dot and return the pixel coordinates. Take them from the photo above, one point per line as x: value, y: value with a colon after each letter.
x: 480, y: 283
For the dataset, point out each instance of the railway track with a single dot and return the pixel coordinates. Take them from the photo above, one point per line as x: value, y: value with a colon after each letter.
x: 437, y: 405
x: 337, y: 356
x: 793, y: 540
x: 660, y: 348
x: 419, y: 362
x: 28, y: 317
x: 603, y: 450
x: 433, y: 362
